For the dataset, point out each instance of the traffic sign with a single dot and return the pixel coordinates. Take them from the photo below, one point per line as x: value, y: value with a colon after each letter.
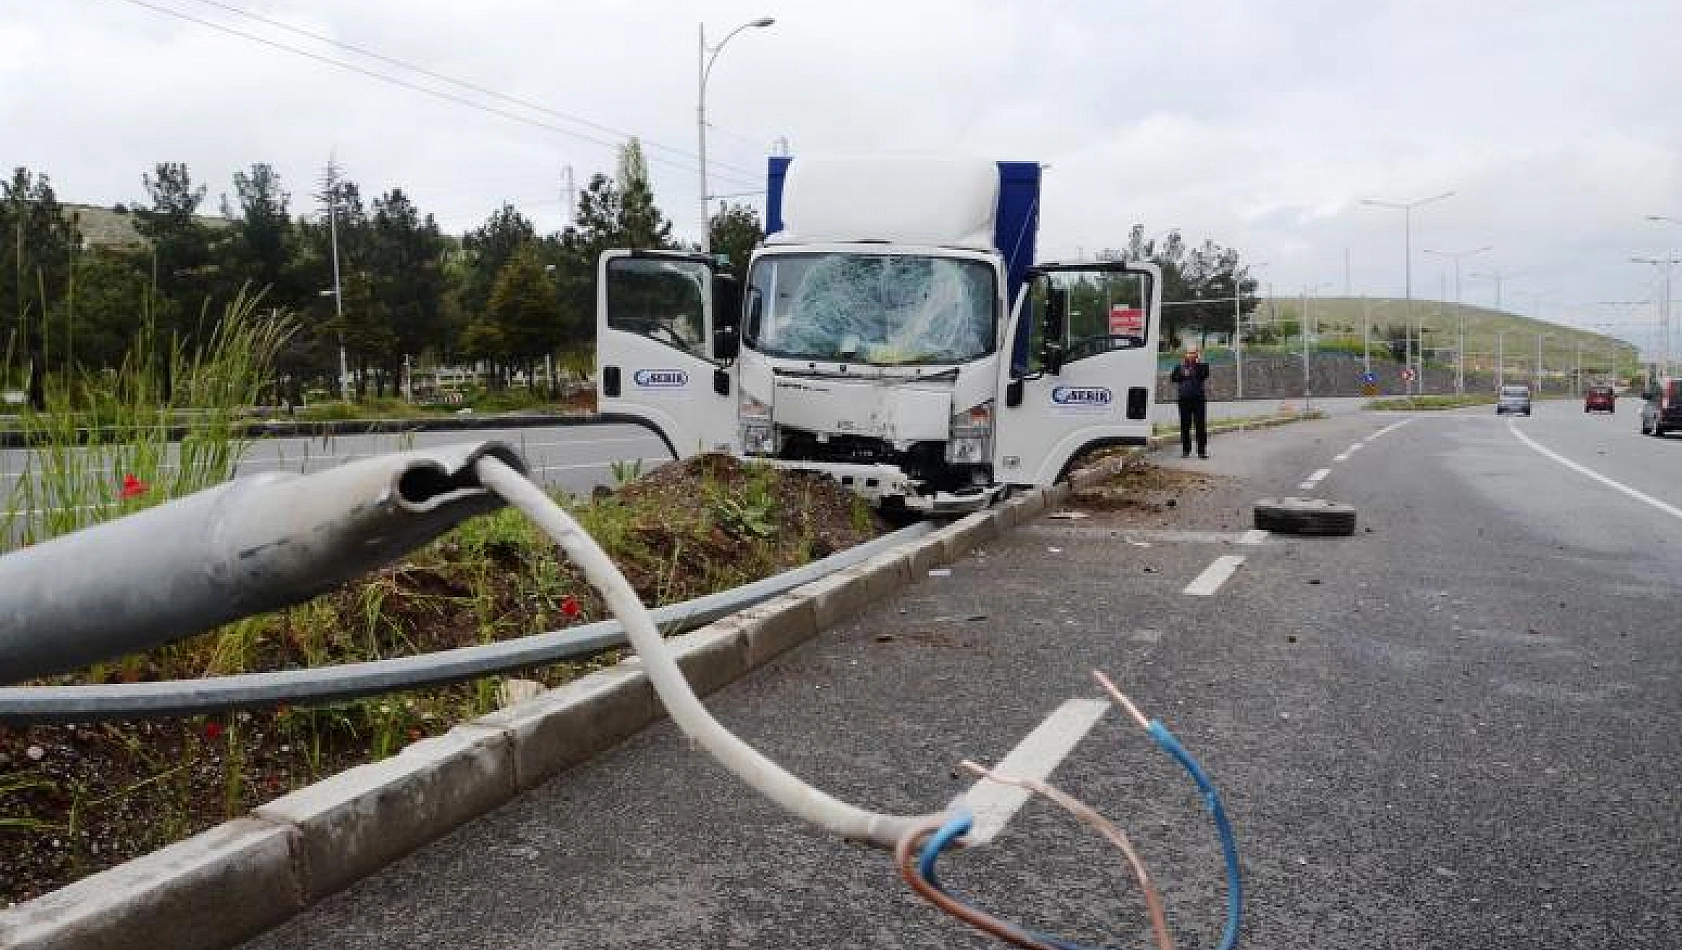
x: 1408, y: 374
x: 1126, y: 321
x: 1369, y: 378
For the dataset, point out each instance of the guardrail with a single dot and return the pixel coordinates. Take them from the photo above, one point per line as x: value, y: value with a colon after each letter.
x: 23, y: 705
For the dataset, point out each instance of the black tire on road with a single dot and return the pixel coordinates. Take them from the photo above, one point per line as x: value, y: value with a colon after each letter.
x: 1310, y: 516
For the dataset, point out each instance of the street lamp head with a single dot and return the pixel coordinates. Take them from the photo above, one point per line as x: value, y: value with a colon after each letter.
x: 763, y: 21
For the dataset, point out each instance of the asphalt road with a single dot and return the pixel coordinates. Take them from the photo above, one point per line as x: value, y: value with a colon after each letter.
x: 574, y: 458
x: 1456, y: 729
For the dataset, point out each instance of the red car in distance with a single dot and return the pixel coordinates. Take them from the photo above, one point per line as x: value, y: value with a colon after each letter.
x: 1600, y: 399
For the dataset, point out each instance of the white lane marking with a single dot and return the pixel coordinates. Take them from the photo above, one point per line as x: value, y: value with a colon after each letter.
x: 993, y: 803
x: 1642, y: 497
x: 1344, y: 457
x: 1357, y: 447
x: 1389, y: 428
x: 1214, y: 575
x: 1253, y: 536
x: 1319, y: 473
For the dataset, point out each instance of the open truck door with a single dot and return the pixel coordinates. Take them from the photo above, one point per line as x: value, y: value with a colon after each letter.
x: 666, y: 342
x: 1082, y: 367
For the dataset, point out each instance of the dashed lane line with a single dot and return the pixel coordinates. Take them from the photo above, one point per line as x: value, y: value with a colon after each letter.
x: 1041, y: 751
x: 1213, y: 576
x: 1253, y: 536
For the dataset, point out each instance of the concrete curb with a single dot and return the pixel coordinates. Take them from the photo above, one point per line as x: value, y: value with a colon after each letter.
x: 240, y: 878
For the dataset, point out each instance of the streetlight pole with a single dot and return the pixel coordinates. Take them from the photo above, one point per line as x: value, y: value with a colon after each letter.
x: 1500, y: 358
x: 1238, y: 329
x: 1460, y: 313
x: 1406, y: 207
x: 1663, y: 308
x: 1307, y: 369
x: 1664, y: 218
x: 704, y: 68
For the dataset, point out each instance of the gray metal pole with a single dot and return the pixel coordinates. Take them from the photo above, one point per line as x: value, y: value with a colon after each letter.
x: 240, y: 548
x: 338, y: 292
x: 1307, y: 392
x: 1366, y: 335
x: 1407, y: 273
x: 701, y: 133
x: 1238, y: 337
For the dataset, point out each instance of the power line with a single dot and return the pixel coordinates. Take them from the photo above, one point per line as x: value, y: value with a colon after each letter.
x: 447, y: 96
x: 462, y: 83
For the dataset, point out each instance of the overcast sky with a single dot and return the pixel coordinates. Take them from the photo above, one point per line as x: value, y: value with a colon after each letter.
x: 1261, y: 126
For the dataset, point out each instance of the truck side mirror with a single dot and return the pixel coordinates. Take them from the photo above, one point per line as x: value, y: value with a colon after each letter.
x: 727, y: 317
x: 1056, y: 327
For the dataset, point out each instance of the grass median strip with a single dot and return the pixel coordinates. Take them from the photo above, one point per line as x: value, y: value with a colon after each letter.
x: 75, y: 799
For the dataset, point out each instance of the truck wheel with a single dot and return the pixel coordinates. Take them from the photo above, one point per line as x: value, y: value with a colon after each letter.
x: 1311, y: 516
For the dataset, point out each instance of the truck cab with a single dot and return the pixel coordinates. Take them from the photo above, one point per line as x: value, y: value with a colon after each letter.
x: 893, y: 332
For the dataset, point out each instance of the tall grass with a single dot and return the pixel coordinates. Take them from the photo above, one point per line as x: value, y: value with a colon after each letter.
x: 169, y: 421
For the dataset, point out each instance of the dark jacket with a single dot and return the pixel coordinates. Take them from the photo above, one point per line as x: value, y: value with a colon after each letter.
x: 1191, y: 383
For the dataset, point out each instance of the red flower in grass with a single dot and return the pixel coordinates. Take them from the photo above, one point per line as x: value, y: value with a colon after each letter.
x: 132, y: 487
x: 569, y: 606
x: 213, y: 731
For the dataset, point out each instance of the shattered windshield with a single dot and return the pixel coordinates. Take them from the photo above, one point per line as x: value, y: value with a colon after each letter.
x: 882, y: 309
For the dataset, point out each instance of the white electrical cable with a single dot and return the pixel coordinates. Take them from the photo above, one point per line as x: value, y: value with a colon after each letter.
x: 769, y: 778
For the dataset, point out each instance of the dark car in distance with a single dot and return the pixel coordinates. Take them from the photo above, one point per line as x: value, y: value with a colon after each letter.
x: 1600, y: 399
x: 1662, y: 411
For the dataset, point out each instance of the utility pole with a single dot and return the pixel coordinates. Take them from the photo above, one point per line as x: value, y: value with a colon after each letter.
x: 1366, y: 334
x: 703, y: 69
x: 1663, y: 309
x: 330, y: 191
x: 1406, y: 207
x: 1500, y: 358
x: 569, y: 191
x: 1460, y: 310
x: 1307, y: 395
x: 1497, y: 276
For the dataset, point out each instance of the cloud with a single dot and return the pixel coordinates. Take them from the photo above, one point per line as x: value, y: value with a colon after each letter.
x: 1259, y: 125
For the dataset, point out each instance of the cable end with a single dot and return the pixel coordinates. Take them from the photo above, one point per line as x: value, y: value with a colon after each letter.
x: 1121, y: 699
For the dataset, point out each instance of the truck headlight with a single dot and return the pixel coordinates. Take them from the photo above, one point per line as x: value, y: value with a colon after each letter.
x: 758, y: 434
x: 971, y: 438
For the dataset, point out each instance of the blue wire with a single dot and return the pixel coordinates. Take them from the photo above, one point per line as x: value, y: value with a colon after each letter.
x: 1229, y: 845
x: 961, y: 823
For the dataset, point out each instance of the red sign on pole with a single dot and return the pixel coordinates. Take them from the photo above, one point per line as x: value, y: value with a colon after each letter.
x: 1126, y: 321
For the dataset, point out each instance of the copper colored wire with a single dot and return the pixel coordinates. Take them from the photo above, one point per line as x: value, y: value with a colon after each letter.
x: 905, y: 856
x: 1121, y: 699
x: 1090, y: 817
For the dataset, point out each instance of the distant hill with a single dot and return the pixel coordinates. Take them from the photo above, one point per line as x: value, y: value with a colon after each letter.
x: 110, y: 228
x: 1340, y: 319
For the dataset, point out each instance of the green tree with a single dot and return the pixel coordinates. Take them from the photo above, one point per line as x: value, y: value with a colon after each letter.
x: 262, y: 250
x: 640, y: 222
x: 1208, y: 272
x: 524, y: 311
x: 37, y: 242
x: 735, y: 231
x: 406, y: 261
x: 180, y: 241
x: 489, y: 248
x: 110, y: 303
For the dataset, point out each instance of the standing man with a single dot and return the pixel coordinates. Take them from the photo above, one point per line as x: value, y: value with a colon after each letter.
x: 1192, y: 375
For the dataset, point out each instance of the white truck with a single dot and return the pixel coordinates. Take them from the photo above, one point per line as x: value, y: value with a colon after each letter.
x: 893, y: 332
